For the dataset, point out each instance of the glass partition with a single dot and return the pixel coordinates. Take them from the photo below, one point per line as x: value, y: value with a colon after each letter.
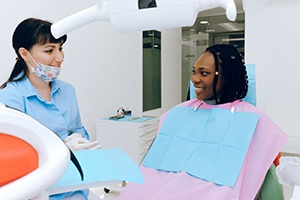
x: 151, y: 70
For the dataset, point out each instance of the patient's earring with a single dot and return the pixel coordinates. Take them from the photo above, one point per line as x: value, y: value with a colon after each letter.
x: 216, y: 73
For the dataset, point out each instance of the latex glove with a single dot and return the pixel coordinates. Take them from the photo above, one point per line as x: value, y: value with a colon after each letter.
x: 76, y: 142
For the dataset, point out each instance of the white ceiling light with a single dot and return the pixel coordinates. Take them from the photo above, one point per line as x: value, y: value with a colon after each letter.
x: 232, y: 26
x: 232, y: 39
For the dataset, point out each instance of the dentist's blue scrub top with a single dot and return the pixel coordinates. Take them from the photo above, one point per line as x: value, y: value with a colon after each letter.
x: 60, y: 114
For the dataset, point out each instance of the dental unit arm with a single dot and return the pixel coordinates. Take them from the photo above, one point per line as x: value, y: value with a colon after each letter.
x: 131, y: 15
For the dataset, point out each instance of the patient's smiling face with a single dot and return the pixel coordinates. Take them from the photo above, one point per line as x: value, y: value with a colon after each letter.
x: 203, y: 77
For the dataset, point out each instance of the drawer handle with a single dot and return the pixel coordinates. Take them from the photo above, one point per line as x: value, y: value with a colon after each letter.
x: 148, y: 139
x: 150, y: 130
x: 145, y: 148
x: 156, y: 122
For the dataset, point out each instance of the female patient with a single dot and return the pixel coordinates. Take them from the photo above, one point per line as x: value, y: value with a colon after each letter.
x: 33, y: 87
x: 214, y: 147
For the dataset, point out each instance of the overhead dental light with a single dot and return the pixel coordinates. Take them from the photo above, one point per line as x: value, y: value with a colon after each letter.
x: 139, y: 15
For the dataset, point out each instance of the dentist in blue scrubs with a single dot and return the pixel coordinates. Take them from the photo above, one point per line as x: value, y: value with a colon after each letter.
x: 34, y: 89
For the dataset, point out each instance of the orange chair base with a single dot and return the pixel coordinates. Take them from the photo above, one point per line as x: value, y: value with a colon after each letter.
x: 276, y: 161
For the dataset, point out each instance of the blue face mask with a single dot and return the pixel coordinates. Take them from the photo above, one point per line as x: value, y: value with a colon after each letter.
x: 45, y: 72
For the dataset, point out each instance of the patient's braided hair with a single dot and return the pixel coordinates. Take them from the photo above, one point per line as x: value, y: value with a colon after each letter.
x: 234, y: 74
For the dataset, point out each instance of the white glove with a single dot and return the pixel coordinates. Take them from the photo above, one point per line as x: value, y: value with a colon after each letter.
x: 76, y: 142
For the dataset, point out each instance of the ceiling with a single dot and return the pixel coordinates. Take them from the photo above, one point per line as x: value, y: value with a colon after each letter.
x: 217, y: 21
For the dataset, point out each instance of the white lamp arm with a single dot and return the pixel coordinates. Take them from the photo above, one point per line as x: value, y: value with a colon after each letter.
x: 128, y: 16
x: 75, y: 21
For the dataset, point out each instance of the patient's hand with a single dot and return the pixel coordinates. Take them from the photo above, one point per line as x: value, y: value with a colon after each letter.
x: 76, y: 142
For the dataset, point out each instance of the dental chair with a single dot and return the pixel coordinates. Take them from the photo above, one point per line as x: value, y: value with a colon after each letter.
x: 271, y: 188
x: 35, y: 162
x: 32, y: 158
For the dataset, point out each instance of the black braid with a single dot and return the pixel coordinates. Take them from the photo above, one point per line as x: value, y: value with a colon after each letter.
x: 235, y: 80
x: 216, y: 58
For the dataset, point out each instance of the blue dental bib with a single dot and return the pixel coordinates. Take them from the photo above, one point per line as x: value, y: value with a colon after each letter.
x: 208, y: 144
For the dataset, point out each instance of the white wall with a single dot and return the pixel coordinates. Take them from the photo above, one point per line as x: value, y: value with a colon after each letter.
x: 105, y: 66
x: 272, y: 43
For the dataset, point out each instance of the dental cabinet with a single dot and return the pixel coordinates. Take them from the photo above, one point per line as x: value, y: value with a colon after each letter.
x: 133, y: 135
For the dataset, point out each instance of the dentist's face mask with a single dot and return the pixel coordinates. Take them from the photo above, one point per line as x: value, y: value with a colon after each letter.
x: 46, y: 72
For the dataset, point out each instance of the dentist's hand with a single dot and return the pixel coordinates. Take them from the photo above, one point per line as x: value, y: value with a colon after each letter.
x: 76, y: 142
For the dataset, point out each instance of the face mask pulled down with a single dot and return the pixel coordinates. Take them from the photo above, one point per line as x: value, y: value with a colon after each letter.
x: 45, y: 72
